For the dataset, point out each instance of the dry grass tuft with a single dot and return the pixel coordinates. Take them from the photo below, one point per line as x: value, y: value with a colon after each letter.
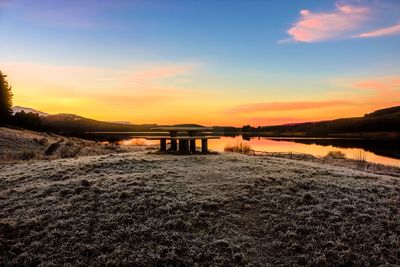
x: 240, y: 147
x: 336, y: 155
x: 361, y: 158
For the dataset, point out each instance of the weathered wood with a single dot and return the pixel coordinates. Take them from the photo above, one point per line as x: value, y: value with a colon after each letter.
x: 181, y: 137
x: 182, y: 129
x: 173, y: 141
x: 204, y: 145
x: 183, y: 146
x: 186, y: 143
x: 163, y: 144
x: 192, y: 143
x: 174, y: 145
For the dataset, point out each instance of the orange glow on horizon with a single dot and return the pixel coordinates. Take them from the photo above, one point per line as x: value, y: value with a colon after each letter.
x: 158, y: 93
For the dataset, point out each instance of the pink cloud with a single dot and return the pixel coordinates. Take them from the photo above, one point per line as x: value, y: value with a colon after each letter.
x: 384, y: 91
x: 393, y: 30
x: 383, y: 84
x: 314, y: 27
x: 286, y: 106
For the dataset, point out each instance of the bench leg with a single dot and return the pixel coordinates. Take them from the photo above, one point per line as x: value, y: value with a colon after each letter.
x: 163, y: 144
x: 174, y: 145
x: 193, y: 146
x: 184, y: 146
x: 204, y: 145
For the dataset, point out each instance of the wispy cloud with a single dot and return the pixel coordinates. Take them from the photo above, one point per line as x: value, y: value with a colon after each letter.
x: 135, y: 85
x: 314, y: 27
x: 370, y: 92
x: 345, y: 21
x: 384, y: 91
x: 379, y: 84
x: 392, y: 30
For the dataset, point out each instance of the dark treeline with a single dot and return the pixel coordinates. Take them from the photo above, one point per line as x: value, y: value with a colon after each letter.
x: 30, y: 121
x: 5, y: 100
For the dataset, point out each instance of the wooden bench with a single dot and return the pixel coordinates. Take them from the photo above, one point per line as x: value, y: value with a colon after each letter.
x: 186, y: 143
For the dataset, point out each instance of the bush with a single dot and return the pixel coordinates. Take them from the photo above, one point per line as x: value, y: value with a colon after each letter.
x: 239, y: 147
x: 336, y: 155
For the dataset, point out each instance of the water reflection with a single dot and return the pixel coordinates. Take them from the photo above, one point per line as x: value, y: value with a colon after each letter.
x: 377, y: 151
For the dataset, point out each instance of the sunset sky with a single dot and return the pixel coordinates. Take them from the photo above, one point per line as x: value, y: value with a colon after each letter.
x: 208, y: 62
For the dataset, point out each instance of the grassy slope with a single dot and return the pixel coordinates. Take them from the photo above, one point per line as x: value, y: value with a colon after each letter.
x: 220, y: 209
x: 17, y: 144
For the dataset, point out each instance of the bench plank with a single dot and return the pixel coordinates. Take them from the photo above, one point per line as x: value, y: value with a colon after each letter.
x: 181, y: 137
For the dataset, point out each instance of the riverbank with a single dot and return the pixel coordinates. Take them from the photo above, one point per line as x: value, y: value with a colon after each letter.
x: 143, y: 208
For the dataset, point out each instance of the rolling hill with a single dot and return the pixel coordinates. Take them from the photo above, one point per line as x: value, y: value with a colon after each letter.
x: 70, y: 123
x: 17, y: 109
x: 380, y: 123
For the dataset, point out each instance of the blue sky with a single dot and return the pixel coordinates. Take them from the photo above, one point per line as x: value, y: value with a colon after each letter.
x: 239, y: 52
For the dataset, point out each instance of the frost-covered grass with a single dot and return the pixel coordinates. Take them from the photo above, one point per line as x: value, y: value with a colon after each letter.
x: 227, y: 209
x: 21, y: 144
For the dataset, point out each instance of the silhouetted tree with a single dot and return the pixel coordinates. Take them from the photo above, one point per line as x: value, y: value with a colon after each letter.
x: 5, y: 100
x: 29, y: 120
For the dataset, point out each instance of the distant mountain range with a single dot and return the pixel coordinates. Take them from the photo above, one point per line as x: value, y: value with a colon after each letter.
x: 70, y: 123
x: 380, y: 123
x: 29, y: 110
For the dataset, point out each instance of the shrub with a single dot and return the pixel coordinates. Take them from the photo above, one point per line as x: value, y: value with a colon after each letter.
x: 336, y: 155
x: 239, y: 147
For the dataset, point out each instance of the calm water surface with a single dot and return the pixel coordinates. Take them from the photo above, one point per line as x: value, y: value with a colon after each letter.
x: 376, y: 151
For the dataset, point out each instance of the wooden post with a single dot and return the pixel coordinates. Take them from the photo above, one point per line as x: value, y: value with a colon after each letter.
x: 163, y: 144
x: 184, y: 146
x: 193, y: 145
x: 174, y: 145
x: 204, y: 145
x: 180, y: 145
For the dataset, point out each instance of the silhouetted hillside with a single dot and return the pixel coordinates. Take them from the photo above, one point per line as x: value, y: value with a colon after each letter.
x: 70, y: 124
x: 380, y: 123
x: 382, y: 112
x: 383, y: 123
